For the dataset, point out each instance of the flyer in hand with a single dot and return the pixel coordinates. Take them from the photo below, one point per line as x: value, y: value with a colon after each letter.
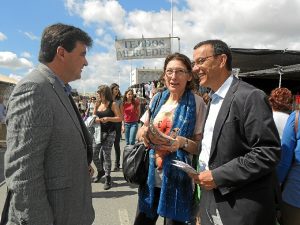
x: 184, y: 166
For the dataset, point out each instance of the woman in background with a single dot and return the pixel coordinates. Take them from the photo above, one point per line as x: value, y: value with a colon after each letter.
x: 91, y: 106
x: 108, y: 114
x: 116, y: 95
x: 131, y: 113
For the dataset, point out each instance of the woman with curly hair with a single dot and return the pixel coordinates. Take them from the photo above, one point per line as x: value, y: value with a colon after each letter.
x: 281, y: 103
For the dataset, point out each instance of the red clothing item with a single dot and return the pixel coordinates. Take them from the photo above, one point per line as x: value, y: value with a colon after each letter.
x: 131, y: 112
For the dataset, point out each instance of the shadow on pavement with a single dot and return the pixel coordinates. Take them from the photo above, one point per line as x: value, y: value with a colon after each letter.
x: 124, y: 184
x: 113, y: 194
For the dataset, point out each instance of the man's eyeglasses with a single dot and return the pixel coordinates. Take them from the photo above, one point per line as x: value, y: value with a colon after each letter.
x: 200, y: 61
x: 179, y: 72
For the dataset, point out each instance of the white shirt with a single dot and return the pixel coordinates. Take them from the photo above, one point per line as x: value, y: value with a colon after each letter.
x: 280, y: 119
x: 215, y: 106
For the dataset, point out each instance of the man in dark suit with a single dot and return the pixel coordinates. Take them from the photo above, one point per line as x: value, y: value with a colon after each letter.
x: 49, y: 151
x: 240, y: 146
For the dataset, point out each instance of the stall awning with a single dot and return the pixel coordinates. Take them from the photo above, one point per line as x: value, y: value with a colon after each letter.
x: 266, y: 63
x: 8, y: 80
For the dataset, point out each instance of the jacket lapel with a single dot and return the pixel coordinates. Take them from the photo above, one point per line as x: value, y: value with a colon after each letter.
x: 223, y: 113
x: 59, y: 91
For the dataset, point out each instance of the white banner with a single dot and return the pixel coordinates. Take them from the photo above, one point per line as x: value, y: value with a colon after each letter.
x: 143, y: 48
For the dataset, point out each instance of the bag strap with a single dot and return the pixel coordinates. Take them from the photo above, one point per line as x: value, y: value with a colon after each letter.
x: 296, y: 121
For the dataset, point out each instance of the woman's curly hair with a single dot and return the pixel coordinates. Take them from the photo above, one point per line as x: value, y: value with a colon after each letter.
x: 281, y: 99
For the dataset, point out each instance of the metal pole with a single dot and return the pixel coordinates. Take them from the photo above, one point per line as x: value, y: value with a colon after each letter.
x: 280, y: 74
x: 130, y: 73
x: 171, y: 25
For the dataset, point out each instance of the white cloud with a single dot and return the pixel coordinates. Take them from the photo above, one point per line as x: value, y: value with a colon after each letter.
x: 15, y: 76
x: 11, y: 61
x: 102, y: 69
x: 102, y: 12
x: 2, y: 36
x: 243, y: 24
x: 26, y: 55
x: 31, y: 36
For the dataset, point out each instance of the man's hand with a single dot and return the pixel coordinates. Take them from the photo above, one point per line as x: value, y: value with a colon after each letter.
x: 205, y: 179
x: 91, y: 171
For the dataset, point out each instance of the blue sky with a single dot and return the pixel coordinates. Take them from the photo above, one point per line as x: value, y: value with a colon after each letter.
x: 241, y: 23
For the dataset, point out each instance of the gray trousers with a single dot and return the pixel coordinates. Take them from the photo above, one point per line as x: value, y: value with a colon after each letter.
x: 102, y: 152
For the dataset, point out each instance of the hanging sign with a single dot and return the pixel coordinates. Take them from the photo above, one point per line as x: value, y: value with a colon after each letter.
x: 143, y: 48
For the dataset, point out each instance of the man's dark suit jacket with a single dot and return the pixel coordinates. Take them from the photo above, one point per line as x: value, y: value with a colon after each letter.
x: 244, y: 152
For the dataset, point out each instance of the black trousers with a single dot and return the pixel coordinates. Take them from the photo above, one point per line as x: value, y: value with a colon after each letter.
x: 118, y: 127
x: 142, y: 219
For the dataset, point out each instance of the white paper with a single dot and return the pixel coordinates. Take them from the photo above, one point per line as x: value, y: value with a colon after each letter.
x: 184, y: 166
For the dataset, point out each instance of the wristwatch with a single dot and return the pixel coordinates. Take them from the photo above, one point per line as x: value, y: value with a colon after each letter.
x: 186, y: 143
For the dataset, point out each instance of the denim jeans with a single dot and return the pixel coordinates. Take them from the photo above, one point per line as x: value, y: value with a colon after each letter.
x: 130, y: 132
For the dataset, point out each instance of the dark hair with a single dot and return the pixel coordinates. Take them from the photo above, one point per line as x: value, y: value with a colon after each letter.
x: 105, y: 90
x: 134, y: 101
x: 112, y: 86
x: 219, y: 48
x: 187, y: 62
x: 281, y: 100
x: 61, y: 35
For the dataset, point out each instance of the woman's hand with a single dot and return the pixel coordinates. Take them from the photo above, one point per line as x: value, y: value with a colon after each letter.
x: 170, y: 148
x: 91, y: 171
x: 104, y: 119
x: 143, y: 135
x: 159, y: 138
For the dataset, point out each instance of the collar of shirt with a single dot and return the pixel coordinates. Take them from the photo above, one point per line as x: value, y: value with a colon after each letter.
x: 66, y: 87
x: 222, y: 91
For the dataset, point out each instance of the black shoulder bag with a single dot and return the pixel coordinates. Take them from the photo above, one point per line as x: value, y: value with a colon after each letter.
x: 136, y: 159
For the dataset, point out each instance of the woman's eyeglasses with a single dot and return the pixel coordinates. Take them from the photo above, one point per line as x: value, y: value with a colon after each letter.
x: 179, y: 72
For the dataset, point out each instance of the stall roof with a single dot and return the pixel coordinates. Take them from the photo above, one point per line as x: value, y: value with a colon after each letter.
x: 291, y: 72
x: 8, y: 80
x: 260, y: 59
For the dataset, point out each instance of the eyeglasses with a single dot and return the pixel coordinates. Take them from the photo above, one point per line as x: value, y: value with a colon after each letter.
x: 179, y: 72
x: 200, y: 61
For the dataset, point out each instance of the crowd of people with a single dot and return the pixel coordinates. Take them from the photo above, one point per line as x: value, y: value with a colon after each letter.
x: 243, y: 144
